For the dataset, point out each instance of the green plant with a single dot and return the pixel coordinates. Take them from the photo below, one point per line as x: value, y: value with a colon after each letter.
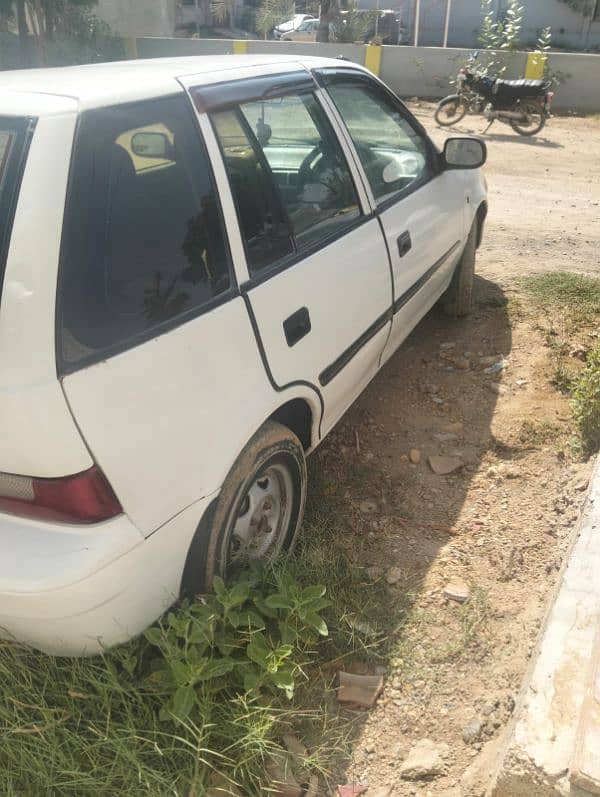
x: 499, y: 35
x: 586, y: 403
x: 354, y: 25
x: 243, y: 638
x: 222, y: 11
x: 272, y: 13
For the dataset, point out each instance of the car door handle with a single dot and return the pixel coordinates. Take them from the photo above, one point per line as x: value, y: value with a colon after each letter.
x: 297, y: 326
x: 404, y: 244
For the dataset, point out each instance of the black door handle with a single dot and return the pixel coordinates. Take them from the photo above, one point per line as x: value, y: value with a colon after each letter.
x: 404, y: 244
x: 297, y: 326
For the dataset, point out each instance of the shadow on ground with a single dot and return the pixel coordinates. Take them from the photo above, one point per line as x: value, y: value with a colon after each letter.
x: 389, y: 517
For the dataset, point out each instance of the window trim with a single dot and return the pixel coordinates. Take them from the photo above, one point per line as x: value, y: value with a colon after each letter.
x: 231, y: 93
x: 16, y: 159
x: 64, y: 368
x: 325, y: 76
x: 299, y: 253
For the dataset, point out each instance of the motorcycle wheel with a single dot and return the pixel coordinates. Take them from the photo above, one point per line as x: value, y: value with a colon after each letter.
x: 450, y: 111
x: 535, y: 119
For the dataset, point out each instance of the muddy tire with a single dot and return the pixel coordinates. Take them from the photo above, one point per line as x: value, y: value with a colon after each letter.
x: 536, y: 120
x: 450, y: 111
x: 458, y: 298
x: 259, y: 509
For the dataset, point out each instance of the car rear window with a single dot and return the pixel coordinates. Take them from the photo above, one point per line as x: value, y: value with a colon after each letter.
x: 13, y: 140
x: 144, y: 248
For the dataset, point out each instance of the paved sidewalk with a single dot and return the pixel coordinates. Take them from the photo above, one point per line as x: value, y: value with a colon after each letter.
x: 553, y: 744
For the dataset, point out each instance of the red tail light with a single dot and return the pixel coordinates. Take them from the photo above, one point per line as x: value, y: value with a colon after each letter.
x: 83, y: 498
x: 549, y: 97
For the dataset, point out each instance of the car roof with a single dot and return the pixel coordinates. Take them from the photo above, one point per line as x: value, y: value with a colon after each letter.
x: 98, y: 85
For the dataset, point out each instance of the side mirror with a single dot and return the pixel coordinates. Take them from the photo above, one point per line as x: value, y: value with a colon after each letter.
x: 151, y: 145
x: 464, y: 153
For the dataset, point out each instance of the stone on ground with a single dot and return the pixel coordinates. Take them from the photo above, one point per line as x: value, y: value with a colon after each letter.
x: 457, y: 590
x: 362, y: 690
x: 425, y: 760
x: 442, y: 466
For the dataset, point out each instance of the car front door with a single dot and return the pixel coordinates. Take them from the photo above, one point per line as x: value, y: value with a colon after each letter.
x: 420, y: 206
x: 315, y: 272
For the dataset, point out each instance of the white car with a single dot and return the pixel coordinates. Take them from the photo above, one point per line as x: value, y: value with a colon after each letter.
x: 203, y: 262
x: 291, y: 25
x: 306, y: 32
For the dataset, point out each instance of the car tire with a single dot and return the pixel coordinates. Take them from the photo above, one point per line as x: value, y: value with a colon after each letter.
x: 259, y: 510
x: 458, y: 298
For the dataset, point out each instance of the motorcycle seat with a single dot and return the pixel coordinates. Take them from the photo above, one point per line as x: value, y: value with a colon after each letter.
x: 520, y: 88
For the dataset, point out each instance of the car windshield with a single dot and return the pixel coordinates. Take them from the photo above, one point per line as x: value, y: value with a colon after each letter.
x: 306, y: 25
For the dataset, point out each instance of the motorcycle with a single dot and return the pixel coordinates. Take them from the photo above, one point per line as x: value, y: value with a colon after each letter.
x: 524, y: 104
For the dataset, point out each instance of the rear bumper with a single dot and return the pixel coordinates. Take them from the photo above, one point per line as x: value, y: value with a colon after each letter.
x: 76, y: 590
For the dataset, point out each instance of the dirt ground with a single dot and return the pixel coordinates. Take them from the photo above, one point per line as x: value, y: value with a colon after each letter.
x: 502, y: 522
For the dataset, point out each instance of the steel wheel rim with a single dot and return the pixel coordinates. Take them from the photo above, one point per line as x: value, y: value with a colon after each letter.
x: 262, y: 519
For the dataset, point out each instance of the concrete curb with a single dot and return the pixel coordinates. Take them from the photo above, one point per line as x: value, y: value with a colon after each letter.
x: 537, y: 756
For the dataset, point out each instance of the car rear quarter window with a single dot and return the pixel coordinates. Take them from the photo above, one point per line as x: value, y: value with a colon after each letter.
x: 13, y: 149
x: 144, y: 247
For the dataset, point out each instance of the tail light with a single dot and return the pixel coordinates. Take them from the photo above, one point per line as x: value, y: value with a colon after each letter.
x: 83, y: 498
x: 549, y: 97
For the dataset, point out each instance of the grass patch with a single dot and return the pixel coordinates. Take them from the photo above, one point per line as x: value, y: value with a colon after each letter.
x: 536, y: 432
x: 473, y: 622
x: 573, y: 291
x: 144, y: 720
x: 570, y: 312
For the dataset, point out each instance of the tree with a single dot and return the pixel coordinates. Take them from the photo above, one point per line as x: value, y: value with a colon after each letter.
x: 328, y: 10
x: 272, y: 13
x: 585, y: 7
x: 222, y: 11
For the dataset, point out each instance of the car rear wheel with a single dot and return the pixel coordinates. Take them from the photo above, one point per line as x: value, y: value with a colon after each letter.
x: 458, y: 298
x: 259, y: 509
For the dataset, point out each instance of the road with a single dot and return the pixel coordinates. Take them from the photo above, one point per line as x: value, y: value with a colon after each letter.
x: 544, y: 195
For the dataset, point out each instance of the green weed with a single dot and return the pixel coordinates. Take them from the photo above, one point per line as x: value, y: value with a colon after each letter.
x: 586, y: 403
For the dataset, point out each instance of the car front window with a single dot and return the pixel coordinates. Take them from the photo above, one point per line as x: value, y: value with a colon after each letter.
x: 393, y: 153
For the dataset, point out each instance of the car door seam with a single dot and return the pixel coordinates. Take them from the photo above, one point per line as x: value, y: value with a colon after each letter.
x: 414, y: 289
x: 263, y: 356
x: 331, y: 371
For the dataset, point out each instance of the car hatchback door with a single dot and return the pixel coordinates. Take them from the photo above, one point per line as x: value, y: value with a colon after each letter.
x: 421, y: 207
x: 318, y: 284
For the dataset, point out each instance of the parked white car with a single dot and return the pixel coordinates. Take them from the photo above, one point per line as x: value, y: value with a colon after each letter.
x: 290, y: 26
x: 306, y: 32
x: 203, y: 262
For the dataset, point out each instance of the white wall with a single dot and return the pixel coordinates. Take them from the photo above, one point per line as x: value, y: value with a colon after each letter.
x: 411, y: 71
x: 138, y: 17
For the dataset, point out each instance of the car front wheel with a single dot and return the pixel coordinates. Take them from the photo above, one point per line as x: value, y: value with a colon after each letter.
x: 260, y: 507
x: 458, y: 299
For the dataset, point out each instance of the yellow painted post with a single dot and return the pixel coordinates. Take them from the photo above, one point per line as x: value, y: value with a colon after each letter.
x: 536, y: 66
x: 130, y: 46
x: 373, y: 58
x: 240, y: 47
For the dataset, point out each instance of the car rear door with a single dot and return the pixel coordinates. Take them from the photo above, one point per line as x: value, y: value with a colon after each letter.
x: 313, y: 267
x: 420, y: 207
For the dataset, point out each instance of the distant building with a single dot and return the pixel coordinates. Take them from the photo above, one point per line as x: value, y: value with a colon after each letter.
x: 570, y: 29
x: 138, y: 17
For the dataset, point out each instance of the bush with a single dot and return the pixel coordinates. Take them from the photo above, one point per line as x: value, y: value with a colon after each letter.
x: 586, y: 403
